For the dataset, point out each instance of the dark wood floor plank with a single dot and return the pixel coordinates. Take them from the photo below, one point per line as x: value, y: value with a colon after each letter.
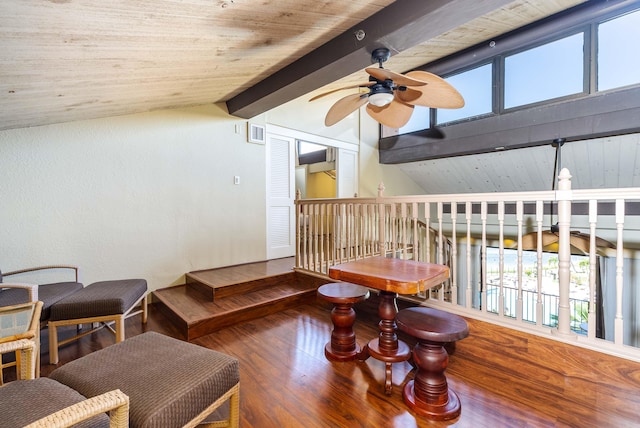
x: 287, y: 382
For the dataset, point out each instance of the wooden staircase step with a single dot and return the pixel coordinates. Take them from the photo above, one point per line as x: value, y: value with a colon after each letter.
x: 222, y: 281
x: 196, y: 315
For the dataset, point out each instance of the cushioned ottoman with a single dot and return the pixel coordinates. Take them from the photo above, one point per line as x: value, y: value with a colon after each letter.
x: 101, y: 302
x: 25, y: 401
x: 170, y: 383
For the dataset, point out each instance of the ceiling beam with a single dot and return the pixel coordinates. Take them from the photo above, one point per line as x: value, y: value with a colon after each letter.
x: 599, y: 115
x: 400, y: 26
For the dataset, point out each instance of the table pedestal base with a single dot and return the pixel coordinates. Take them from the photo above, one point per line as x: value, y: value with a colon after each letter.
x: 402, y: 353
x: 386, y: 347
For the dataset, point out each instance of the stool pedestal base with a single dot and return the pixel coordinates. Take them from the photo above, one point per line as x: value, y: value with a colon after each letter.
x: 343, y: 295
x: 444, y: 412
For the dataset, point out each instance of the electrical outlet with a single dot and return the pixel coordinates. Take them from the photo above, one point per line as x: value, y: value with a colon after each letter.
x: 236, y: 179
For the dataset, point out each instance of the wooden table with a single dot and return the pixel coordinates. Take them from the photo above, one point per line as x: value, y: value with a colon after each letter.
x: 391, y: 277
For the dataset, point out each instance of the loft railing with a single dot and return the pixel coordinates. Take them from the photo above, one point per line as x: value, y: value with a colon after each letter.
x: 503, y: 269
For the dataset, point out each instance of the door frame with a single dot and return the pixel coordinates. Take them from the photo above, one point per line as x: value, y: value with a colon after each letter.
x: 275, y: 130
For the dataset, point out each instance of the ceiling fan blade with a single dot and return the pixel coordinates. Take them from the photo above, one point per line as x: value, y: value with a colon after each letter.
x: 394, y: 115
x: 398, y: 79
x: 361, y: 85
x: 437, y: 93
x: 343, y: 107
x: 409, y: 95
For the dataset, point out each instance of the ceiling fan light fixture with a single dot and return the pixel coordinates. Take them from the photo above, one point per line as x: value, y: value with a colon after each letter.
x: 381, y: 99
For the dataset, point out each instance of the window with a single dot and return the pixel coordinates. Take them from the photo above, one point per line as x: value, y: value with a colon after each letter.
x: 549, y: 71
x: 617, y: 64
x: 506, y: 74
x: 309, y: 153
x: 420, y: 119
x: 475, y: 87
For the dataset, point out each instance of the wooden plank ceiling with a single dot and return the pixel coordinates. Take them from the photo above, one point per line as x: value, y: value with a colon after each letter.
x: 65, y: 60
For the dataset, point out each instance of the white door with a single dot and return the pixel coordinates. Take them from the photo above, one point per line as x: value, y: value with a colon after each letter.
x: 280, y: 196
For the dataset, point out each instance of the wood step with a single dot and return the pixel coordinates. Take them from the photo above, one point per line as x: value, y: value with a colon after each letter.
x: 196, y: 315
x: 224, y: 281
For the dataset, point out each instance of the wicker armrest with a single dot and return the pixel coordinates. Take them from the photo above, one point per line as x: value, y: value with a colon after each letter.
x: 37, y: 268
x: 16, y: 345
x: 115, y: 402
x: 26, y: 349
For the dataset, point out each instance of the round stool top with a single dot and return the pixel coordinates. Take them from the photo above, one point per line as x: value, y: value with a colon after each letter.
x: 343, y: 292
x: 432, y: 325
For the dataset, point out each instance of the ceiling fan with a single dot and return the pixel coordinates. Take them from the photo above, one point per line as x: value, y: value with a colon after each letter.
x: 391, y: 96
x: 579, y: 241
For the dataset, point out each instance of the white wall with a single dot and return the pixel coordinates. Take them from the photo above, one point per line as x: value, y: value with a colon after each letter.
x: 372, y: 173
x: 150, y: 195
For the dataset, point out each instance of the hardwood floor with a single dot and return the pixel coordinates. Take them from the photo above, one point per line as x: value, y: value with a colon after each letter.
x: 287, y: 382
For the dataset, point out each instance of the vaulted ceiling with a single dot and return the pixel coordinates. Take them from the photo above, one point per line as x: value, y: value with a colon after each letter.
x: 66, y: 60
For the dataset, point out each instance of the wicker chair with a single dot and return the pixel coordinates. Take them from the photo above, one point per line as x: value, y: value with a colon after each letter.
x: 44, y: 402
x: 14, y: 293
x: 20, y: 333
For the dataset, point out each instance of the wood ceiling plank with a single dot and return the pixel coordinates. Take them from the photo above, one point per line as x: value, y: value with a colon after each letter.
x: 208, y: 51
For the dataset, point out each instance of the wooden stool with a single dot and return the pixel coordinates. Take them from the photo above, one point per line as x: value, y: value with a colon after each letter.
x: 343, y: 295
x: 428, y: 393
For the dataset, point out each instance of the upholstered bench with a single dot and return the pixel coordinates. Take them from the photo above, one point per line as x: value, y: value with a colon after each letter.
x: 99, y: 303
x: 170, y: 383
x: 428, y: 394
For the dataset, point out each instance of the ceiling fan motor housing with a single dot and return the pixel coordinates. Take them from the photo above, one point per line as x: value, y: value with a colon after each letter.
x: 380, y: 55
x: 381, y: 93
x: 391, y: 96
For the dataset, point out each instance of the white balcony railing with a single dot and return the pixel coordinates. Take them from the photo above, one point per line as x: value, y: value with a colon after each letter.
x: 504, y: 270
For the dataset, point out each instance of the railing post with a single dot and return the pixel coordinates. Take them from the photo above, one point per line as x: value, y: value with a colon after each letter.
x: 618, y: 322
x: 468, y: 294
x: 519, y: 220
x: 454, y: 254
x: 414, y: 229
x: 501, y: 257
x: 298, y: 242
x: 381, y: 221
x: 591, y: 319
x: 539, y: 218
x: 563, y: 196
x: 483, y: 252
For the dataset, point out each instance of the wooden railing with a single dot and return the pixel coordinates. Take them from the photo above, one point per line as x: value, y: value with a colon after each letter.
x: 464, y: 230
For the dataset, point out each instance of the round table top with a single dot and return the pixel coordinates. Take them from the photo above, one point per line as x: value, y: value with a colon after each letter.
x: 432, y: 325
x: 343, y: 292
